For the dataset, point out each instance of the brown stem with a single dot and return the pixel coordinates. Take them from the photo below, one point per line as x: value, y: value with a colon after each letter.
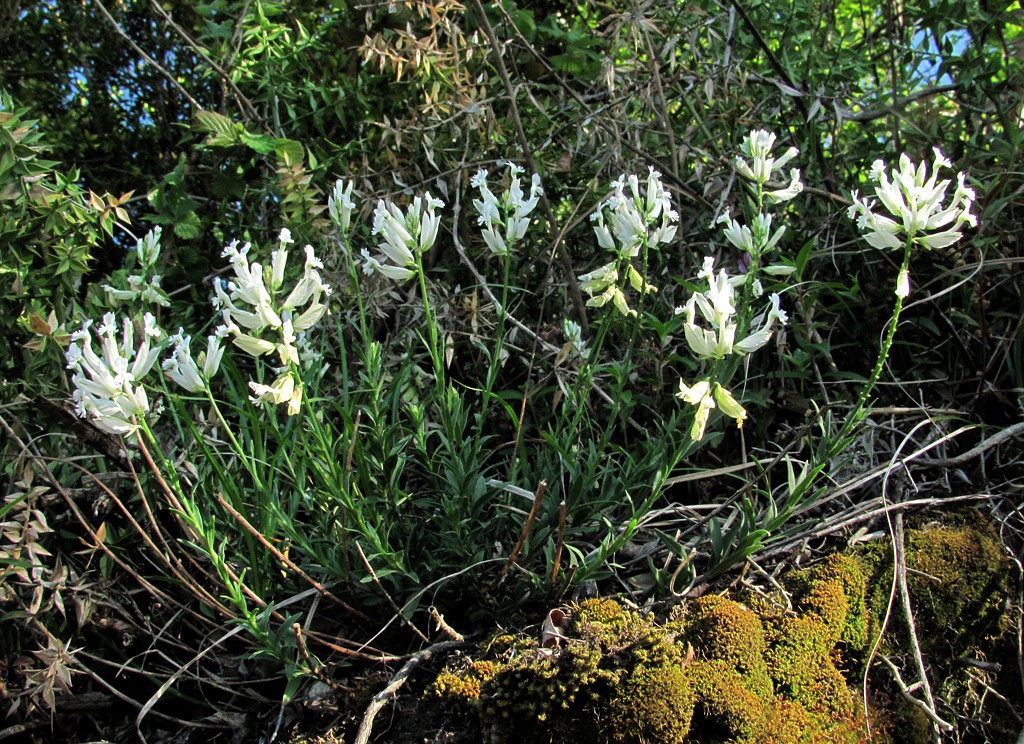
x: 272, y: 549
x: 538, y: 496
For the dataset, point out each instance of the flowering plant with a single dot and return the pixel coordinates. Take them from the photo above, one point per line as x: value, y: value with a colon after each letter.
x: 628, y: 225
x: 108, y: 385
x: 918, y: 212
x: 406, y: 237
x: 505, y: 220
x: 717, y: 323
x: 256, y: 302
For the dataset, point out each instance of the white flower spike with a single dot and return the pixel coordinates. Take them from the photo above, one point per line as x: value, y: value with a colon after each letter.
x: 916, y: 207
x: 108, y: 385
x: 405, y: 235
x: 506, y: 219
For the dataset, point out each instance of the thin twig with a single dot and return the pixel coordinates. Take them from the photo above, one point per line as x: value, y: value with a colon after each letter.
x: 387, y: 596
x: 527, y: 152
x: 170, y: 78
x: 315, y: 667
x: 908, y: 615
x: 443, y: 625
x: 272, y: 549
x: 386, y: 695
x: 908, y: 693
x: 559, y: 544
x: 224, y: 75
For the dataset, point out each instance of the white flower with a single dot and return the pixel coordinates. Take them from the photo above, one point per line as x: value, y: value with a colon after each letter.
x: 108, y: 385
x: 917, y: 210
x: 147, y: 252
x: 257, y: 304
x: 340, y: 204
x: 283, y: 390
x: 635, y: 218
x: 506, y: 219
x: 757, y: 146
x: 794, y: 188
x: 147, y: 249
x: 628, y: 221
x: 903, y: 284
x: 915, y: 202
x: 405, y: 235
x: 598, y: 280
x: 717, y: 308
x: 704, y: 396
x: 739, y: 235
x: 574, y: 338
x: 698, y: 396
x: 182, y: 369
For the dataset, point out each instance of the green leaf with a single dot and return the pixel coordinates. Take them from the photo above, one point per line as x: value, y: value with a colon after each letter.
x: 225, y: 132
x: 188, y: 228
x: 289, y: 151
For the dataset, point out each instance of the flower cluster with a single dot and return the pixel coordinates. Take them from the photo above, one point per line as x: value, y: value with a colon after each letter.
x: 625, y: 224
x: 717, y: 306
x: 573, y: 341
x: 705, y: 396
x: 256, y: 302
x: 716, y: 340
x: 108, y: 384
x: 505, y: 220
x: 757, y: 164
x: 406, y: 236
x: 917, y: 204
x: 183, y: 370
x: 143, y: 286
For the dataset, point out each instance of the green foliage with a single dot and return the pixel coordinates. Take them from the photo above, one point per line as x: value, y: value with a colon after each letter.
x: 454, y: 441
x: 49, y: 227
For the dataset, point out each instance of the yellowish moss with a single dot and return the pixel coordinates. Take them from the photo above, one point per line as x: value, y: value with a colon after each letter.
x: 727, y: 631
x: 715, y: 674
x: 725, y: 709
x: 652, y: 703
x: 834, y: 591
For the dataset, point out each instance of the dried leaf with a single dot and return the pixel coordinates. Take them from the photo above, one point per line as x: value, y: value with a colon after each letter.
x: 551, y: 631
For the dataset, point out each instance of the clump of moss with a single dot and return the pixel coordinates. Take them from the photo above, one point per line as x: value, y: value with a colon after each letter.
x: 718, y: 673
x: 958, y: 580
x: 727, y: 631
x: 462, y: 686
x: 834, y: 591
x: 957, y: 576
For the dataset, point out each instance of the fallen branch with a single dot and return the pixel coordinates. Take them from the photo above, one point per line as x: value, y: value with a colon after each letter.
x: 386, y: 695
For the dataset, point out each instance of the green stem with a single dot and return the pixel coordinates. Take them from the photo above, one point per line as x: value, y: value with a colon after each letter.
x: 235, y: 444
x: 495, y: 364
x: 436, y: 354
x: 858, y: 413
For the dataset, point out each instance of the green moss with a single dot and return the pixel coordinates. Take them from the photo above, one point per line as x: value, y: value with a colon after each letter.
x: 717, y: 673
x: 725, y: 708
x: 801, y: 665
x: 723, y: 672
x: 727, y: 631
x: 654, y: 702
x: 958, y: 580
x: 834, y: 591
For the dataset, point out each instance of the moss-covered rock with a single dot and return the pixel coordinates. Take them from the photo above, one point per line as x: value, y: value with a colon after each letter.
x: 719, y: 671
x: 958, y: 578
